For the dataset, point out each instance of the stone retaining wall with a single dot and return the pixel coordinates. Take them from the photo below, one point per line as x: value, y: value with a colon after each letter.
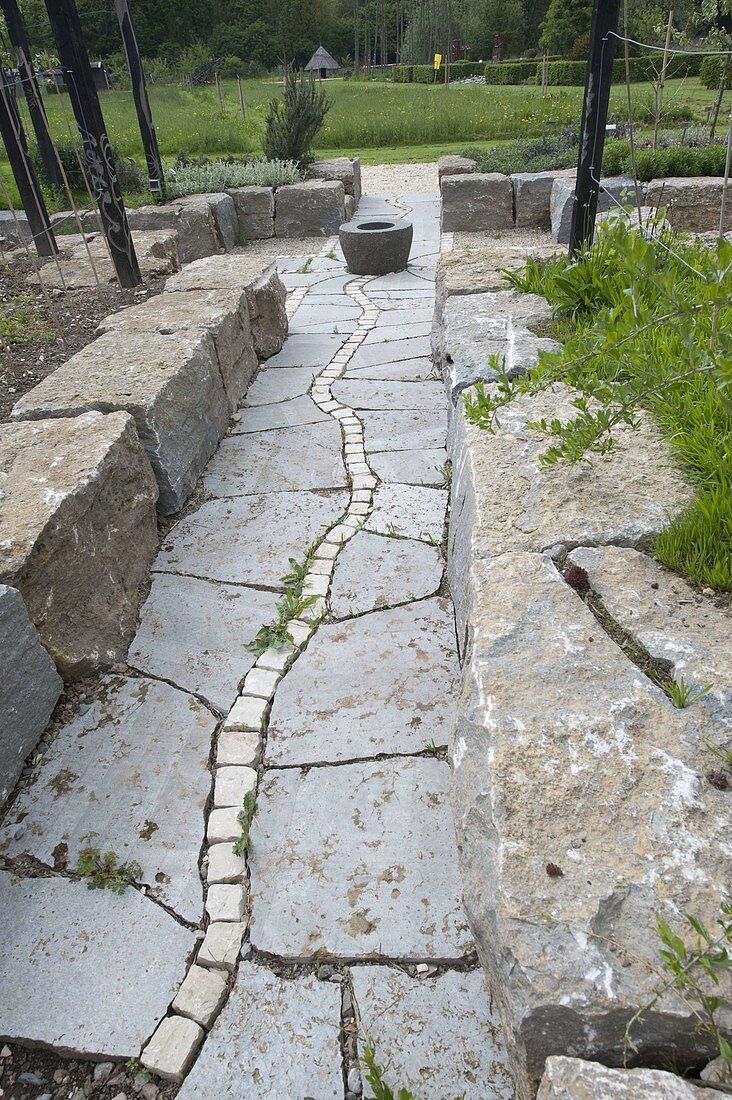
x: 580, y: 798
x: 474, y: 202
x: 127, y: 422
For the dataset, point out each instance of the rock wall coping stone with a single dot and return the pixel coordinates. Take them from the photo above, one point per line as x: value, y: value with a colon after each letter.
x: 692, y: 204
x: 345, y: 169
x: 77, y: 532
x: 192, y: 220
x: 573, y: 1079
x: 255, y: 209
x: 224, y: 314
x: 616, y: 189
x: 476, y: 270
x: 475, y: 202
x: 474, y: 327
x: 172, y: 386
x: 265, y: 292
x: 315, y: 208
x: 532, y: 192
x: 29, y: 688
x: 452, y: 165
x: 580, y: 815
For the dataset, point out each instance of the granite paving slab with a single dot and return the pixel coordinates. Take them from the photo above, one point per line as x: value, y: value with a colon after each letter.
x: 437, y: 1036
x: 408, y: 370
x: 399, y: 331
x: 411, y: 511
x: 280, y: 414
x: 277, y: 1038
x: 394, y: 692
x: 219, y: 618
x: 374, y: 572
x: 303, y: 457
x: 84, y: 971
x: 398, y: 281
x: 370, y: 355
x: 425, y: 467
x: 132, y: 768
x: 420, y: 299
x: 248, y: 540
x: 361, y: 393
x: 397, y: 317
x: 303, y: 350
x: 357, y: 861
x: 272, y: 386
x: 404, y: 431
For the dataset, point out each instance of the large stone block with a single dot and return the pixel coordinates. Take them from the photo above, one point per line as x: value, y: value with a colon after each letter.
x: 172, y: 386
x: 475, y: 270
x: 573, y: 1079
x: 29, y: 687
x: 477, y: 326
x: 345, y: 169
x: 223, y: 314
x: 312, y: 209
x: 532, y: 193
x: 692, y: 205
x: 77, y: 532
x: 191, y: 218
x: 618, y: 192
x: 14, y: 227
x: 503, y: 498
x: 85, y: 261
x: 455, y: 166
x: 255, y: 209
x: 476, y: 201
x: 581, y: 815
x: 265, y: 291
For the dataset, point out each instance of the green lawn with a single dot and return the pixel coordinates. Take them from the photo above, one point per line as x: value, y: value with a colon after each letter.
x: 381, y: 122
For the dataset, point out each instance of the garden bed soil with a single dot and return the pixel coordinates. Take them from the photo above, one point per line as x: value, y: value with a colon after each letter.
x: 61, y: 323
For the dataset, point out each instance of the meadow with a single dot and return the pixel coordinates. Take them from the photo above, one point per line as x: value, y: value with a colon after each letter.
x: 381, y: 122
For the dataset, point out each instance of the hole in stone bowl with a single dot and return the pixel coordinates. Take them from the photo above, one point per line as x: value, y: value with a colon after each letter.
x: 375, y: 225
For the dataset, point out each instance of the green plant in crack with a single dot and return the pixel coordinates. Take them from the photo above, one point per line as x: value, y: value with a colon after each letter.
x: 723, y: 754
x: 693, y: 972
x: 306, y: 266
x: 244, y: 818
x: 376, y: 1078
x: 446, y: 472
x: 681, y: 694
x: 432, y: 749
x: 103, y: 870
x: 277, y: 635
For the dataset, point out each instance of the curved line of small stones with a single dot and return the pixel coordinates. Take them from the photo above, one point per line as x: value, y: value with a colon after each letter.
x: 237, y: 758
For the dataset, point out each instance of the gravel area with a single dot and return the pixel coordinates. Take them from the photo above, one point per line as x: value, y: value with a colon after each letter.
x: 398, y: 179
x: 273, y: 247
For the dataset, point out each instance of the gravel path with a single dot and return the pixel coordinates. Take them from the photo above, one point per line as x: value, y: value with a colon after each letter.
x: 380, y: 179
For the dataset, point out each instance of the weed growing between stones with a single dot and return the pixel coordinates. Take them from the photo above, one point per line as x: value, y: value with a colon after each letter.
x: 694, y: 974
x: 103, y: 871
x: 375, y: 1076
x: 276, y: 635
x: 245, y: 818
x: 22, y: 321
x: 646, y: 322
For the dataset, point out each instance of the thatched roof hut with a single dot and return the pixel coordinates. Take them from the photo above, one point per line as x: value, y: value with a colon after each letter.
x: 322, y: 63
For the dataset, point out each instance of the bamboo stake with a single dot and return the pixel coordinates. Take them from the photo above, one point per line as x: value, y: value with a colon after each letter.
x: 219, y: 93
x: 242, y: 104
x: 662, y: 79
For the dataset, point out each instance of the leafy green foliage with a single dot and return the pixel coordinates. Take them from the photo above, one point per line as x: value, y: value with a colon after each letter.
x: 682, y: 695
x: 211, y: 176
x: 647, y: 325
x: 293, y: 122
x: 694, y: 972
x: 103, y: 870
x: 375, y: 1078
x: 291, y: 606
x: 244, y: 818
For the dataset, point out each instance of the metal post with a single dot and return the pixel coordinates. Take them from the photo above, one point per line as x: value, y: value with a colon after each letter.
x: 21, y: 48
x: 31, y: 196
x: 155, y: 170
x: 604, y: 26
x: 66, y: 27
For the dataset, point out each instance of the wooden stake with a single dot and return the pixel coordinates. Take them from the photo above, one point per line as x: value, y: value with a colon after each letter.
x: 662, y: 79
x: 242, y: 104
x: 66, y: 26
x: 218, y: 93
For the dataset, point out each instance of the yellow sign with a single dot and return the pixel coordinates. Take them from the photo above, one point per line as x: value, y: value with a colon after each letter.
x: 438, y: 60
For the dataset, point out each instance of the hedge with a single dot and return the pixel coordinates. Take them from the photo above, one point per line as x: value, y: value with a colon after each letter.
x: 675, y: 160
x: 459, y: 70
x: 511, y: 72
x: 710, y: 72
x: 643, y: 68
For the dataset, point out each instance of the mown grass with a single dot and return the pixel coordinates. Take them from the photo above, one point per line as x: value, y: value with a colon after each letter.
x: 380, y: 121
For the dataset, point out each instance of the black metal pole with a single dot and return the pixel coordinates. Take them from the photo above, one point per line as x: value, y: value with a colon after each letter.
x: 605, y: 15
x: 21, y: 48
x: 13, y: 137
x: 74, y: 60
x: 155, y: 169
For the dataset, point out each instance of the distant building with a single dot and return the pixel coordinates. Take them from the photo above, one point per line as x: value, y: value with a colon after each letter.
x: 322, y: 63
x: 99, y: 74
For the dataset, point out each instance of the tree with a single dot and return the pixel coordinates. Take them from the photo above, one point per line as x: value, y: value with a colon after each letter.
x: 494, y: 17
x: 565, y: 21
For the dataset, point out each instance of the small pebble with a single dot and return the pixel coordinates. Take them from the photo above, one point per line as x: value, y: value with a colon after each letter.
x: 60, y: 1074
x: 6, y: 1052
x: 30, y: 1078
x: 351, y: 1096
x: 325, y: 972
x: 707, y: 591
x: 558, y: 552
x: 120, y: 1096
x: 149, y: 1091
x: 354, y: 1080
x: 246, y: 950
x: 421, y: 968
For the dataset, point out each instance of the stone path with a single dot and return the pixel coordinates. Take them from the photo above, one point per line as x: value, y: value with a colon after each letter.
x: 342, y: 924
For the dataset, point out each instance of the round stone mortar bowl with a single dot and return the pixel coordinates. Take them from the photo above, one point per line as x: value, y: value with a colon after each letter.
x: 376, y: 246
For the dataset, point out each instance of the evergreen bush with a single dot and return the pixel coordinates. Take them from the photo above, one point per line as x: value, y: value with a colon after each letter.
x: 293, y: 122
